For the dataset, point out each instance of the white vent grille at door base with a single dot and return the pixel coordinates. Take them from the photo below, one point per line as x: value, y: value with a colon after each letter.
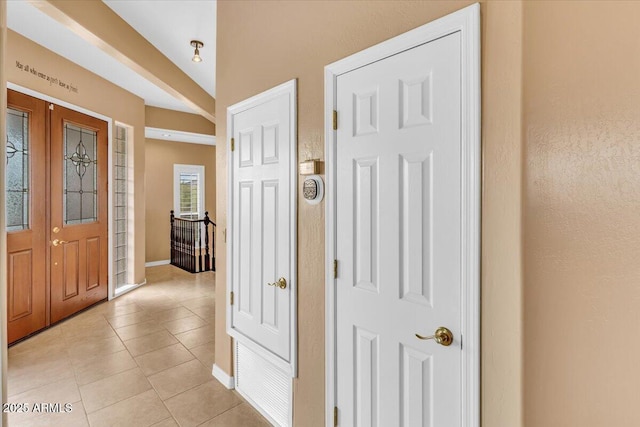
x: 263, y: 384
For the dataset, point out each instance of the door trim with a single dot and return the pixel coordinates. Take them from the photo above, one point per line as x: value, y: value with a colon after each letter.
x: 467, y: 22
x: 289, y: 88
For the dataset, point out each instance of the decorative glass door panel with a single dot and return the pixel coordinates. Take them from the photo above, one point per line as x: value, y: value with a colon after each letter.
x: 80, y: 175
x: 17, y: 173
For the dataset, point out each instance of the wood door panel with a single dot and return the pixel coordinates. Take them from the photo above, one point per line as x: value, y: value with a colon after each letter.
x: 20, y: 284
x: 26, y: 248
x: 93, y: 262
x: 71, y: 273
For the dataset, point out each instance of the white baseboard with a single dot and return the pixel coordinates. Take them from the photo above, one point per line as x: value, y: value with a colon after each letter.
x: 223, y: 377
x: 156, y: 263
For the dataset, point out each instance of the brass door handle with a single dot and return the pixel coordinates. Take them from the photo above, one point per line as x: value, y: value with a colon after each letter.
x: 442, y: 336
x: 57, y: 242
x: 281, y: 283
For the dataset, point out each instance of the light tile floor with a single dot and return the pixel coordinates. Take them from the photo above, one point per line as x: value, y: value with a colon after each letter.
x: 143, y: 359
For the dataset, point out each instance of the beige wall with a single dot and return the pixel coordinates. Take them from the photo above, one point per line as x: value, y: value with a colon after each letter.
x: 582, y: 213
x: 94, y: 94
x: 281, y: 40
x: 160, y: 157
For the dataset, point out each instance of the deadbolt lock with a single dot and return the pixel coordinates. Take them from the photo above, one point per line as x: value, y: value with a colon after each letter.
x: 56, y: 230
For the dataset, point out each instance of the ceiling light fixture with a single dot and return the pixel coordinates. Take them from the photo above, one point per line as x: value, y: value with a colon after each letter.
x: 196, y: 55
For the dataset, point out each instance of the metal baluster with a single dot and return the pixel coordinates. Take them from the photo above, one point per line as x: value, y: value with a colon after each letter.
x: 192, y: 245
x: 213, y: 246
x: 173, y: 237
x: 199, y: 246
x: 188, y: 244
x: 207, y: 262
x: 181, y: 245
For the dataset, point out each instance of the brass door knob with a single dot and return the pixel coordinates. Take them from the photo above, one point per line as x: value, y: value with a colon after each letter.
x: 442, y: 336
x: 57, y: 242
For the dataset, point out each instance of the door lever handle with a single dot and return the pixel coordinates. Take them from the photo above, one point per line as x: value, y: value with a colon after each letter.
x: 57, y: 242
x: 281, y: 283
x: 442, y: 336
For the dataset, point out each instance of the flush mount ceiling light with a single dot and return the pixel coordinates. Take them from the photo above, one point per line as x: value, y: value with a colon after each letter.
x: 196, y: 55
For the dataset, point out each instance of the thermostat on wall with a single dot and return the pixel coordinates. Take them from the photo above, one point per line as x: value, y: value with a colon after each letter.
x: 313, y: 189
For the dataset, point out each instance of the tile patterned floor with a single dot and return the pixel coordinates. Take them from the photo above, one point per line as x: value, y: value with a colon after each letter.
x: 143, y: 359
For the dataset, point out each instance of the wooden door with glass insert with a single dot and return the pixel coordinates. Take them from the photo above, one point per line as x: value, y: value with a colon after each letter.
x: 79, y: 213
x: 25, y: 215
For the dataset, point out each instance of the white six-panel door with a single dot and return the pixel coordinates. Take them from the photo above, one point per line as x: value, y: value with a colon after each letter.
x: 398, y: 238
x: 262, y: 240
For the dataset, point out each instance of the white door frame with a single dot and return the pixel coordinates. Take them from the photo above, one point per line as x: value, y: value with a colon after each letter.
x: 467, y: 22
x: 290, y: 89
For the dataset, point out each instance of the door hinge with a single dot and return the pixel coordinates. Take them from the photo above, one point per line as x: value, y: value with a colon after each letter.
x: 233, y: 144
x: 224, y: 233
x: 51, y: 107
x: 335, y: 416
x: 231, y: 298
x: 335, y: 268
x: 335, y: 120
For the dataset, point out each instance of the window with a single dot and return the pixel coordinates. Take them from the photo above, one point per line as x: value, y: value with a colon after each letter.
x: 121, y: 203
x: 188, y: 193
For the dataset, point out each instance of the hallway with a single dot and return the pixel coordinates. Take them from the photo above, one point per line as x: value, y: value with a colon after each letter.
x: 140, y: 360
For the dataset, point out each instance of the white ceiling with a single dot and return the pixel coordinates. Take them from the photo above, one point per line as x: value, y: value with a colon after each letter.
x: 169, y: 25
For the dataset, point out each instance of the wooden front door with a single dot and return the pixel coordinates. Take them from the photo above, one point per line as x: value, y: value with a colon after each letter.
x: 57, y: 213
x: 79, y: 248
x: 25, y: 206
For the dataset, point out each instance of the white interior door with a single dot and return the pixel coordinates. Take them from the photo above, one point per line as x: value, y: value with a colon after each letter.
x: 263, y: 221
x: 398, y: 238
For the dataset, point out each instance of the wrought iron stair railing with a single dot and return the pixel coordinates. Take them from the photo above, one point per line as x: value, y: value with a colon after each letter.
x: 187, y: 238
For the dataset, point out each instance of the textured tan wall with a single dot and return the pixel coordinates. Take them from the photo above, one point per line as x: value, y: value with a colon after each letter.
x: 502, y: 365
x: 582, y: 223
x: 95, y: 94
x: 160, y: 156
x: 177, y: 120
x: 264, y: 43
